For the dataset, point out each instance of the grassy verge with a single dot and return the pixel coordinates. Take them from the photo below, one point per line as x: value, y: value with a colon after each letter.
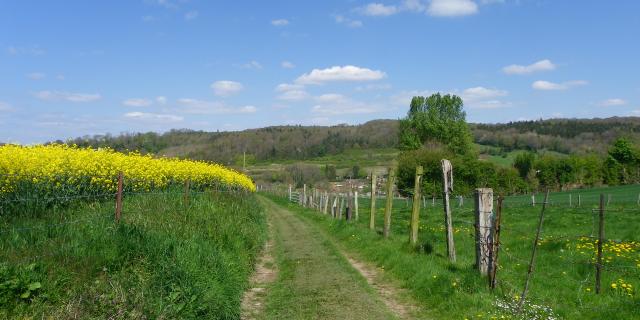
x: 163, y: 260
x: 563, y: 281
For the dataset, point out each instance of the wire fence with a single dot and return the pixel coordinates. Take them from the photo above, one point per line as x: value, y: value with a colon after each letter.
x: 568, y: 242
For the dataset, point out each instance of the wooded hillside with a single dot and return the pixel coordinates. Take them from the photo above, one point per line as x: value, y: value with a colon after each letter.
x: 305, y: 142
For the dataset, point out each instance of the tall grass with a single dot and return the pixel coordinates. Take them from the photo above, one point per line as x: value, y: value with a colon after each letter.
x: 163, y: 260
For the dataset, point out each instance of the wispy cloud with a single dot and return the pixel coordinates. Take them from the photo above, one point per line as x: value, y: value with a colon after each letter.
x: 542, y: 65
x: 195, y: 106
x: 550, y: 86
x: 280, y: 22
x: 153, y: 117
x: 378, y: 9
x: 67, y: 96
x: 225, y: 88
x: 340, y: 19
x: 253, y: 64
x: 287, y: 65
x: 137, y: 102
x: 340, y: 73
x: 36, y: 76
x: 31, y: 50
x: 191, y: 15
x: 613, y: 102
x: 452, y: 8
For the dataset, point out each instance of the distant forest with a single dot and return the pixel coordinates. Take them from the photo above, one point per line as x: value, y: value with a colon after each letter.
x: 569, y: 136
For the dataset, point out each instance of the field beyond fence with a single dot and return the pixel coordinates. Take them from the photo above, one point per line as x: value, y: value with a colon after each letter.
x: 562, y: 278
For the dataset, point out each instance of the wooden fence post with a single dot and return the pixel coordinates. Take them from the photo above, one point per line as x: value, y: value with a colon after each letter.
x: 119, y: 197
x: 533, y: 254
x: 415, y: 212
x: 304, y: 195
x: 389, y: 205
x: 326, y: 201
x: 341, y: 207
x: 484, y: 227
x: 447, y: 171
x: 334, y: 208
x: 372, y: 213
x: 289, y: 192
x: 600, y: 241
x: 570, y: 202
x: 186, y: 191
x: 496, y: 246
x: 533, y: 200
x: 355, y: 204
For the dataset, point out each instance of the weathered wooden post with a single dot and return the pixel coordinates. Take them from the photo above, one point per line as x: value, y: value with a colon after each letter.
x: 484, y: 227
x: 334, y: 209
x: 326, y: 202
x: 372, y: 213
x: 389, y: 205
x: 289, y: 192
x: 304, y: 195
x: 186, y: 191
x: 415, y: 212
x: 570, y: 200
x: 355, y: 204
x: 433, y: 200
x: 533, y: 199
x: 600, y: 241
x: 496, y: 246
x: 119, y: 197
x: 341, y: 207
x: 447, y: 171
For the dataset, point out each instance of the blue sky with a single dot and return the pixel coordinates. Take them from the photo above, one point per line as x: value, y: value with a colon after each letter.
x: 73, y: 68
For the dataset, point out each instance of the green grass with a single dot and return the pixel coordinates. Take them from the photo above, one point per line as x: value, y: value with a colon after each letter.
x: 563, y: 279
x: 163, y: 260
x: 314, y: 280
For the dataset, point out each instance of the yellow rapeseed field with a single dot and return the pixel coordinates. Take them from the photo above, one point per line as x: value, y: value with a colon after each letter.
x: 68, y: 170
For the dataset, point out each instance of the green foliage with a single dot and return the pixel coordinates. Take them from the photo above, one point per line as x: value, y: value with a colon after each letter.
x: 524, y: 163
x: 439, y: 119
x: 163, y: 260
x: 469, y: 173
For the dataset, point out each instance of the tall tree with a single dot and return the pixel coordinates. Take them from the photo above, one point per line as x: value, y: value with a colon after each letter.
x: 438, y: 118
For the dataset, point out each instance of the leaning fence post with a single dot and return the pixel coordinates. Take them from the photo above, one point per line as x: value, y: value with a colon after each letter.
x: 533, y: 253
x: 415, y: 212
x: 355, y: 204
x: 484, y: 226
x: 447, y: 171
x: 372, y: 213
x: 600, y: 241
x: 496, y: 245
x: 389, y: 205
x: 119, y: 197
x: 186, y: 191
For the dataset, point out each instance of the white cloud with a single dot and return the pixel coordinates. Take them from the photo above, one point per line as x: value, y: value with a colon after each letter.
x: 195, y: 106
x: 613, y: 102
x: 547, y: 85
x: 481, y: 93
x: 60, y: 77
x: 280, y: 22
x: 191, y: 15
x: 225, y: 88
x: 252, y: 65
x: 332, y: 104
x: 414, y: 5
x: 161, y: 100
x: 67, y: 96
x: 542, y: 65
x: 635, y: 113
x: 36, y: 76
x: 137, y: 102
x: 338, y: 73
x: 378, y: 9
x: 484, y: 98
x: 452, y: 8
x: 32, y: 51
x: 340, y: 19
x: 155, y: 117
x: 287, y: 65
x: 291, y: 92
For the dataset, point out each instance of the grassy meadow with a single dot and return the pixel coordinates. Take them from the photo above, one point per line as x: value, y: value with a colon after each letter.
x: 165, y: 259
x: 562, y: 285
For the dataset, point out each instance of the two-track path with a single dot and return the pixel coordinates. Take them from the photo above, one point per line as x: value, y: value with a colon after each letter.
x: 314, y: 279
